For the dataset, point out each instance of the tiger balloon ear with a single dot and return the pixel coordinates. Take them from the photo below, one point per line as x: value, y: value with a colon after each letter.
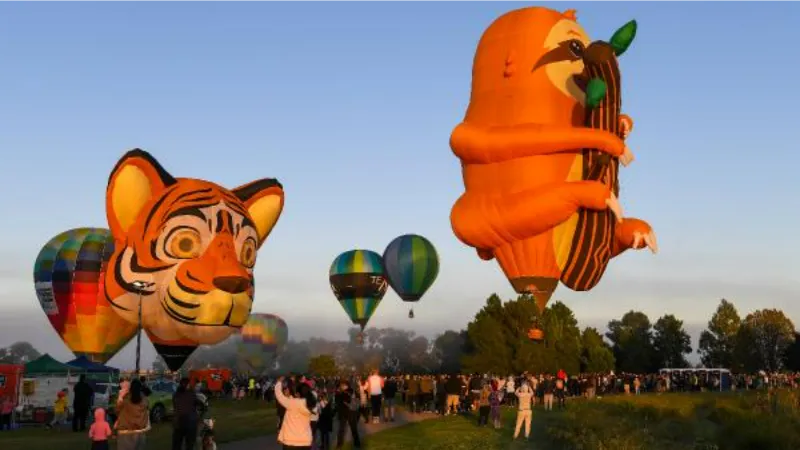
x: 264, y: 201
x: 135, y: 180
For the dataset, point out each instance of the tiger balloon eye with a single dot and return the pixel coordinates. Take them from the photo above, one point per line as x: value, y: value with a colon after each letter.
x: 248, y: 253
x: 184, y: 244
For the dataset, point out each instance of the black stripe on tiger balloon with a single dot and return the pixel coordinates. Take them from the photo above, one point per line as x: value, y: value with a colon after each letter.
x: 189, y: 194
x: 224, y: 222
x: 193, y: 211
x: 246, y: 192
x: 187, y: 289
x: 156, y: 208
x: 163, y: 175
x: 595, y: 230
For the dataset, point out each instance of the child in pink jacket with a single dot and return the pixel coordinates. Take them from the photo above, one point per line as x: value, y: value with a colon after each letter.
x: 100, y: 431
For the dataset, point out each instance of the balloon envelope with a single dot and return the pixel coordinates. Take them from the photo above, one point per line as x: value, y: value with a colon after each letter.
x: 263, y: 336
x: 411, y: 266
x: 358, y: 281
x: 68, y: 276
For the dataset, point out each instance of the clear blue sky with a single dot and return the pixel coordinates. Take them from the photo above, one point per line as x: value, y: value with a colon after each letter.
x: 351, y: 105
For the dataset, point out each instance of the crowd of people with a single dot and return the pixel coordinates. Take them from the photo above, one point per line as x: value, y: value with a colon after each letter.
x: 308, y: 407
x: 311, y: 409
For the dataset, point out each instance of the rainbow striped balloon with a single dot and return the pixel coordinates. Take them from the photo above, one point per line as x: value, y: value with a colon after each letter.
x: 263, y: 336
x: 359, y: 283
x: 68, y: 276
x: 412, y: 265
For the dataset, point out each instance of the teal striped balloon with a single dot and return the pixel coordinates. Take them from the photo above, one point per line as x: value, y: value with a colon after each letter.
x: 412, y: 265
x: 358, y: 280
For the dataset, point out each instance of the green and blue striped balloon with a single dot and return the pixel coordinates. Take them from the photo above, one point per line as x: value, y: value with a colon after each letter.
x: 412, y: 265
x: 359, y: 283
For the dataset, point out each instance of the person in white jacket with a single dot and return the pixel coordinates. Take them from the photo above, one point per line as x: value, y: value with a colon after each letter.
x: 524, y: 394
x: 295, y: 430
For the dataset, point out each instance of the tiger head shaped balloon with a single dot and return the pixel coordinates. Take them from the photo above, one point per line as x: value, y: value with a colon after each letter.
x: 186, y: 248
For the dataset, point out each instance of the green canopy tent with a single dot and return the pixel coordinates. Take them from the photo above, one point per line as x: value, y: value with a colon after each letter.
x: 47, y: 365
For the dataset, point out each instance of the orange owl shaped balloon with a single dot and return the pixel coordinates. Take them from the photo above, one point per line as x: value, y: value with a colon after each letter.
x: 524, y: 147
x: 187, y: 248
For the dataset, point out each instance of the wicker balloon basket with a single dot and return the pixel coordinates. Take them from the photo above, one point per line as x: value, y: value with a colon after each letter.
x: 535, y: 334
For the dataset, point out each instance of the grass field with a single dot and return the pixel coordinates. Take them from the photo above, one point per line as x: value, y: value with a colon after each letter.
x: 234, y: 421
x: 650, y: 422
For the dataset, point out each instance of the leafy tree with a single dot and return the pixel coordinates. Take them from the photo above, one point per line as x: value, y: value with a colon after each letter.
x: 632, y: 343
x: 762, y: 340
x: 791, y: 358
x: 718, y: 342
x: 323, y: 365
x: 671, y: 342
x: 596, y: 355
x: 448, y: 349
x: 18, y: 353
x: 561, y: 329
x: 498, y: 342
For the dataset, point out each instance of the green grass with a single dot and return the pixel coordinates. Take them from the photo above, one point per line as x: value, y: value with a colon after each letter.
x: 462, y: 433
x: 234, y: 421
x: 695, y: 421
x: 710, y: 421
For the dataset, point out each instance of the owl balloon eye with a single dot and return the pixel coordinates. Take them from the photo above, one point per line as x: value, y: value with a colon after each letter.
x: 183, y: 243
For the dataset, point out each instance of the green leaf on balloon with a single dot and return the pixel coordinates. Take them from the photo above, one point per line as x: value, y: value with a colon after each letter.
x: 595, y: 92
x: 623, y: 38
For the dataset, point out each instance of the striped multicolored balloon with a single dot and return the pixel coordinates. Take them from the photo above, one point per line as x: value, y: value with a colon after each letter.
x: 68, y: 276
x: 412, y: 265
x: 359, y: 283
x: 263, y: 336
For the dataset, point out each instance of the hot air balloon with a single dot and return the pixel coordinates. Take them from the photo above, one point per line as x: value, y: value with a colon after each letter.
x: 411, y: 266
x: 263, y: 336
x: 359, y: 283
x: 69, y: 279
x: 527, y: 180
x: 187, y: 250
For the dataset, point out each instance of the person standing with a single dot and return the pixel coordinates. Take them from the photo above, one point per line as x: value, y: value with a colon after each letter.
x: 100, y: 431
x: 295, y: 432
x: 82, y: 401
x: 412, y: 394
x: 59, y: 410
x: 6, y: 413
x: 325, y: 424
x: 389, y: 394
x: 547, y: 389
x: 184, y: 431
x: 484, y: 407
x: 495, y: 398
x: 524, y: 395
x: 561, y: 393
x: 133, y: 421
x: 375, y: 384
x: 347, y: 406
x: 510, y: 389
x: 452, y: 388
x: 426, y: 393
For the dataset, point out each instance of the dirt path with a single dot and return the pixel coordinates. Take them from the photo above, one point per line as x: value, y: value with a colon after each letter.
x: 269, y: 442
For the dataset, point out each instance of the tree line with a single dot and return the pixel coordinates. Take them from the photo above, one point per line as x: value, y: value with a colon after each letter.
x: 496, y: 341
